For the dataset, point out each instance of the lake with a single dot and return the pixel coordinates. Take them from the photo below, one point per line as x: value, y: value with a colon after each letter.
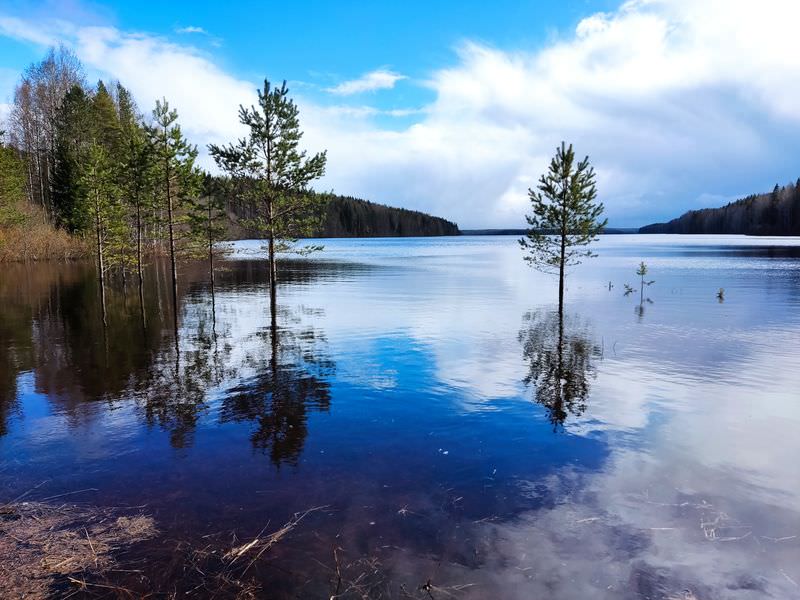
x: 453, y: 436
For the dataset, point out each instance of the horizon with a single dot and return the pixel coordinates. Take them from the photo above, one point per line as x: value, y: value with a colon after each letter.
x: 680, y: 105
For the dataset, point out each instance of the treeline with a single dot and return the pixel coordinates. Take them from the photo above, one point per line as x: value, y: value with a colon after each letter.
x: 775, y: 213
x: 93, y: 167
x: 346, y: 217
x: 352, y: 217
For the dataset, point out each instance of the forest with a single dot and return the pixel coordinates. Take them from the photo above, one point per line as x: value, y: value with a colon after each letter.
x: 347, y: 217
x: 775, y: 213
x: 85, y: 172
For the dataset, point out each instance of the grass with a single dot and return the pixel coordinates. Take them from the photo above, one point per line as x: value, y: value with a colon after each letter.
x: 44, y: 545
x: 30, y: 238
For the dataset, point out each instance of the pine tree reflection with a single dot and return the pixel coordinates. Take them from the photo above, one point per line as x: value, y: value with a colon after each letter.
x: 175, y: 397
x: 49, y: 327
x: 560, y: 353
x: 291, y: 383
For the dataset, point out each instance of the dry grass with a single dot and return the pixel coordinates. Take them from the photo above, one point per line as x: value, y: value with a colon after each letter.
x: 43, y: 544
x: 34, y: 240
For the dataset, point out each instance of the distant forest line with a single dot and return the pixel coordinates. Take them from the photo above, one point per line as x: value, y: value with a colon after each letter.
x: 774, y: 213
x: 347, y: 217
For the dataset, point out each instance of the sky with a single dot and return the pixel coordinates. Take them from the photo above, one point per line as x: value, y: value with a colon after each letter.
x: 455, y: 107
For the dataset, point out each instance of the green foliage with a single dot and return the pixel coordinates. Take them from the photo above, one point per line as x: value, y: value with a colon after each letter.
x: 105, y: 120
x: 12, y: 187
x: 92, y: 160
x: 101, y: 201
x: 73, y: 127
x: 207, y: 218
x: 641, y: 271
x: 565, y: 217
x: 269, y: 173
x: 137, y: 170
x: 174, y: 157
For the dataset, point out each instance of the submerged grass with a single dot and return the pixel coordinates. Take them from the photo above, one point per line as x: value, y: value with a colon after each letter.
x: 45, y: 546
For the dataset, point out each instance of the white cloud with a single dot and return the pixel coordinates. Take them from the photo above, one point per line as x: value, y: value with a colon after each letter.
x: 674, y: 101
x: 380, y: 79
x: 191, y: 29
x: 24, y: 30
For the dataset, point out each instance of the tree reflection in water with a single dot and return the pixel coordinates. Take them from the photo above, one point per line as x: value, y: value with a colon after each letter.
x: 560, y: 353
x: 50, y: 329
x: 291, y: 382
x: 174, y: 397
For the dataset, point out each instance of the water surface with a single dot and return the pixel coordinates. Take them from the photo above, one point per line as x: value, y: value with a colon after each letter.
x: 463, y: 440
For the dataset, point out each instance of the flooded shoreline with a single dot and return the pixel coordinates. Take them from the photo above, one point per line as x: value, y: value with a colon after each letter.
x: 408, y: 397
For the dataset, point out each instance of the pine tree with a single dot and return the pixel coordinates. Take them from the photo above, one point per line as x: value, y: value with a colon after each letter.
x: 207, y: 222
x: 177, y: 179
x: 271, y: 175
x: 137, y: 177
x: 108, y: 134
x: 99, y: 182
x: 565, y: 217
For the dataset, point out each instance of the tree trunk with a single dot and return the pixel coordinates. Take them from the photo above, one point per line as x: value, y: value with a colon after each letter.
x: 561, y: 277
x: 273, y: 271
x: 641, y: 290
x: 100, y: 266
x: 273, y: 296
x: 139, y: 261
x: 210, y: 248
x: 211, y: 273
x: 171, y: 223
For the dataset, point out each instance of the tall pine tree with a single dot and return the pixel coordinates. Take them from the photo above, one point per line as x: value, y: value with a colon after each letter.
x: 272, y: 175
x: 177, y: 180
x: 137, y: 178
x: 99, y: 182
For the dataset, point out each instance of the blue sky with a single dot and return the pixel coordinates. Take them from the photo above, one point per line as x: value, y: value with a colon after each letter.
x: 455, y: 107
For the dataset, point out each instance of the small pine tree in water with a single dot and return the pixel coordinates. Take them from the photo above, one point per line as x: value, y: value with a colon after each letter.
x: 565, y: 217
x: 641, y: 272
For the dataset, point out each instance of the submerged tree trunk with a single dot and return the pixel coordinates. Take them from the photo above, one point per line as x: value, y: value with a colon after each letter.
x: 210, y: 248
x: 139, y: 261
x: 273, y: 271
x: 561, y: 277
x: 273, y: 295
x: 100, y: 265
x: 171, y: 224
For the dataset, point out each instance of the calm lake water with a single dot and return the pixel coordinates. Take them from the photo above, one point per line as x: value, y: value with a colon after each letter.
x: 417, y: 390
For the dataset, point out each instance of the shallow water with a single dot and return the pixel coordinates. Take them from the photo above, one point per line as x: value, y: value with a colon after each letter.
x: 425, y: 394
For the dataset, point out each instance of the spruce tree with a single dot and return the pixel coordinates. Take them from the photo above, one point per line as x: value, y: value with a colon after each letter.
x: 271, y: 175
x: 565, y: 217
x: 73, y: 136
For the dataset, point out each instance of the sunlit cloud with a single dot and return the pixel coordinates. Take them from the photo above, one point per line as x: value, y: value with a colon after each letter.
x: 191, y: 29
x: 380, y: 79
